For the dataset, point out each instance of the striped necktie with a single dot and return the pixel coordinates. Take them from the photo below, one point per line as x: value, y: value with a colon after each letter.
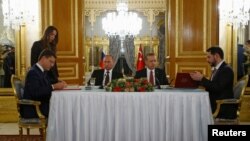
x: 213, y: 74
x: 151, y: 78
x: 106, y: 78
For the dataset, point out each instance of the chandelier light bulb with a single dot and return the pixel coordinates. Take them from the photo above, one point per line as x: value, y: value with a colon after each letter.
x: 18, y: 12
x: 122, y: 22
x: 235, y: 12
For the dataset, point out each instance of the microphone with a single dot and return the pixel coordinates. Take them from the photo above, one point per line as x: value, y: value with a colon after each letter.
x: 88, y: 87
x: 171, y: 82
x: 157, y: 82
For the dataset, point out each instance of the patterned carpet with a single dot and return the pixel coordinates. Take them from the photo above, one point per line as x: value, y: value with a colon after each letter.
x: 17, y: 138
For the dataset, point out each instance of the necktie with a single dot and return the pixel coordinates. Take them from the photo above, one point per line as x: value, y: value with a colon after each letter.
x: 213, y: 74
x: 151, y: 78
x: 106, y: 78
x: 45, y: 77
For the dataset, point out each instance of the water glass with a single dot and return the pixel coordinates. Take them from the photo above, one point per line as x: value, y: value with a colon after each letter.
x: 92, y: 81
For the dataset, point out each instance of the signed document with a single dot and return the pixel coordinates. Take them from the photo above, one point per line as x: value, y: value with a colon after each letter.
x: 72, y: 87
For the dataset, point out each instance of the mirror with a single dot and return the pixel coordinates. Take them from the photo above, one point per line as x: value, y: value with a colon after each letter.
x: 243, y: 52
x: 7, y: 59
x: 100, y: 44
x: 18, y: 56
x: 15, y: 17
x: 149, y: 40
x: 7, y: 55
x: 233, y: 34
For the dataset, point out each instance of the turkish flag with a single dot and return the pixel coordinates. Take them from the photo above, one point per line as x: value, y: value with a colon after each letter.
x: 140, y: 61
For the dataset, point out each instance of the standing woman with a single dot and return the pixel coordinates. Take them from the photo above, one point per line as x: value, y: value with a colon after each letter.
x: 48, y: 41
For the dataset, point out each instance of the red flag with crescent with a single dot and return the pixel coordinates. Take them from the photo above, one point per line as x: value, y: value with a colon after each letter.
x: 140, y: 61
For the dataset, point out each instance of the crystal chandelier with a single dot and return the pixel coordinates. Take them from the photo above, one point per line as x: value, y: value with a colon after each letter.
x: 18, y: 12
x: 235, y: 12
x: 122, y: 22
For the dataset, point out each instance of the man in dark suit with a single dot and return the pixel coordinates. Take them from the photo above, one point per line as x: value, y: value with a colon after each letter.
x: 9, y: 66
x: 220, y: 85
x: 37, y: 85
x: 104, y: 76
x: 154, y: 75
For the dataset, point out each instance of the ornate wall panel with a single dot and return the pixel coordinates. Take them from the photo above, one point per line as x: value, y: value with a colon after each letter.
x: 189, y: 67
x: 245, y: 108
x: 8, y: 109
x: 191, y: 25
x: 67, y: 16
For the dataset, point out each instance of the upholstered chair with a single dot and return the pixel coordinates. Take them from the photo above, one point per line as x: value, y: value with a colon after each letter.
x: 239, y: 90
x: 27, y: 123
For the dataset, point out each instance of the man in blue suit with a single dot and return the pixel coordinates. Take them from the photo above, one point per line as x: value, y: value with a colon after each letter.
x: 158, y: 76
x: 37, y: 87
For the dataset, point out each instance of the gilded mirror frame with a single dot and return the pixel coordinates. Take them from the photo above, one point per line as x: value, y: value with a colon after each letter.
x: 103, y: 42
x: 19, y: 58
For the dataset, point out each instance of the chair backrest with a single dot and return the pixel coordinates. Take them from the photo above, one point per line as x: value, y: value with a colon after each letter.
x: 240, y: 87
x: 17, y: 86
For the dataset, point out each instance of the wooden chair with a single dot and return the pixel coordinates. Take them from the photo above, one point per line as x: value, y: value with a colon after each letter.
x: 239, y: 90
x: 27, y: 123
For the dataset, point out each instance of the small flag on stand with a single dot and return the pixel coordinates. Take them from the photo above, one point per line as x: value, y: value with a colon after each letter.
x: 101, y: 61
x: 140, y: 61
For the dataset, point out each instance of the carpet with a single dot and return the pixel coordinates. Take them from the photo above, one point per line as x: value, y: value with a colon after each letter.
x: 17, y: 138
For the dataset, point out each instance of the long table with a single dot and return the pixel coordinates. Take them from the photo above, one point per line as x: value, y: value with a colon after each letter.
x: 96, y: 115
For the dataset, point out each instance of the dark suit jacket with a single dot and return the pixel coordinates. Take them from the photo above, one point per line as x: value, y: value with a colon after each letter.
x: 160, y: 76
x: 9, y: 68
x: 37, y: 87
x: 36, y: 49
x: 221, y: 87
x: 99, y: 75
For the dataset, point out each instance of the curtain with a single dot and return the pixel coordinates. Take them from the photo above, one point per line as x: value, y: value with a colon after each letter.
x: 114, y: 47
x: 161, y: 48
x: 129, y: 53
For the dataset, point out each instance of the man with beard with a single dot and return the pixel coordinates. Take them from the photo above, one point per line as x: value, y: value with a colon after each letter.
x: 220, y: 84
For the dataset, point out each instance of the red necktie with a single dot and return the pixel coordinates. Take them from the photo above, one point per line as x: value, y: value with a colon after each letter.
x: 151, y: 78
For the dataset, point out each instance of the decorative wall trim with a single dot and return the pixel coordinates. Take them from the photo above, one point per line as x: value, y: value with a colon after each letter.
x: 149, y: 8
x: 69, y: 71
x: 151, y: 14
x: 132, y: 4
x: 189, y: 67
x: 92, y: 14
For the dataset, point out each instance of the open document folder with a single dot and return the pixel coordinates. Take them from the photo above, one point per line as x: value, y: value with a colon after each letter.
x: 184, y: 80
x: 72, y: 87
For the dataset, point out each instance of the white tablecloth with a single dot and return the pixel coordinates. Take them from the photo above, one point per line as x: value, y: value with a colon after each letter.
x: 108, y: 116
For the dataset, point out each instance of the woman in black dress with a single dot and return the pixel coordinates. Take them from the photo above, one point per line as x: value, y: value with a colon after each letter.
x: 49, y: 40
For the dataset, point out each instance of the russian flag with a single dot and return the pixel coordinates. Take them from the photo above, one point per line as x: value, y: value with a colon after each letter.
x: 101, y: 64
